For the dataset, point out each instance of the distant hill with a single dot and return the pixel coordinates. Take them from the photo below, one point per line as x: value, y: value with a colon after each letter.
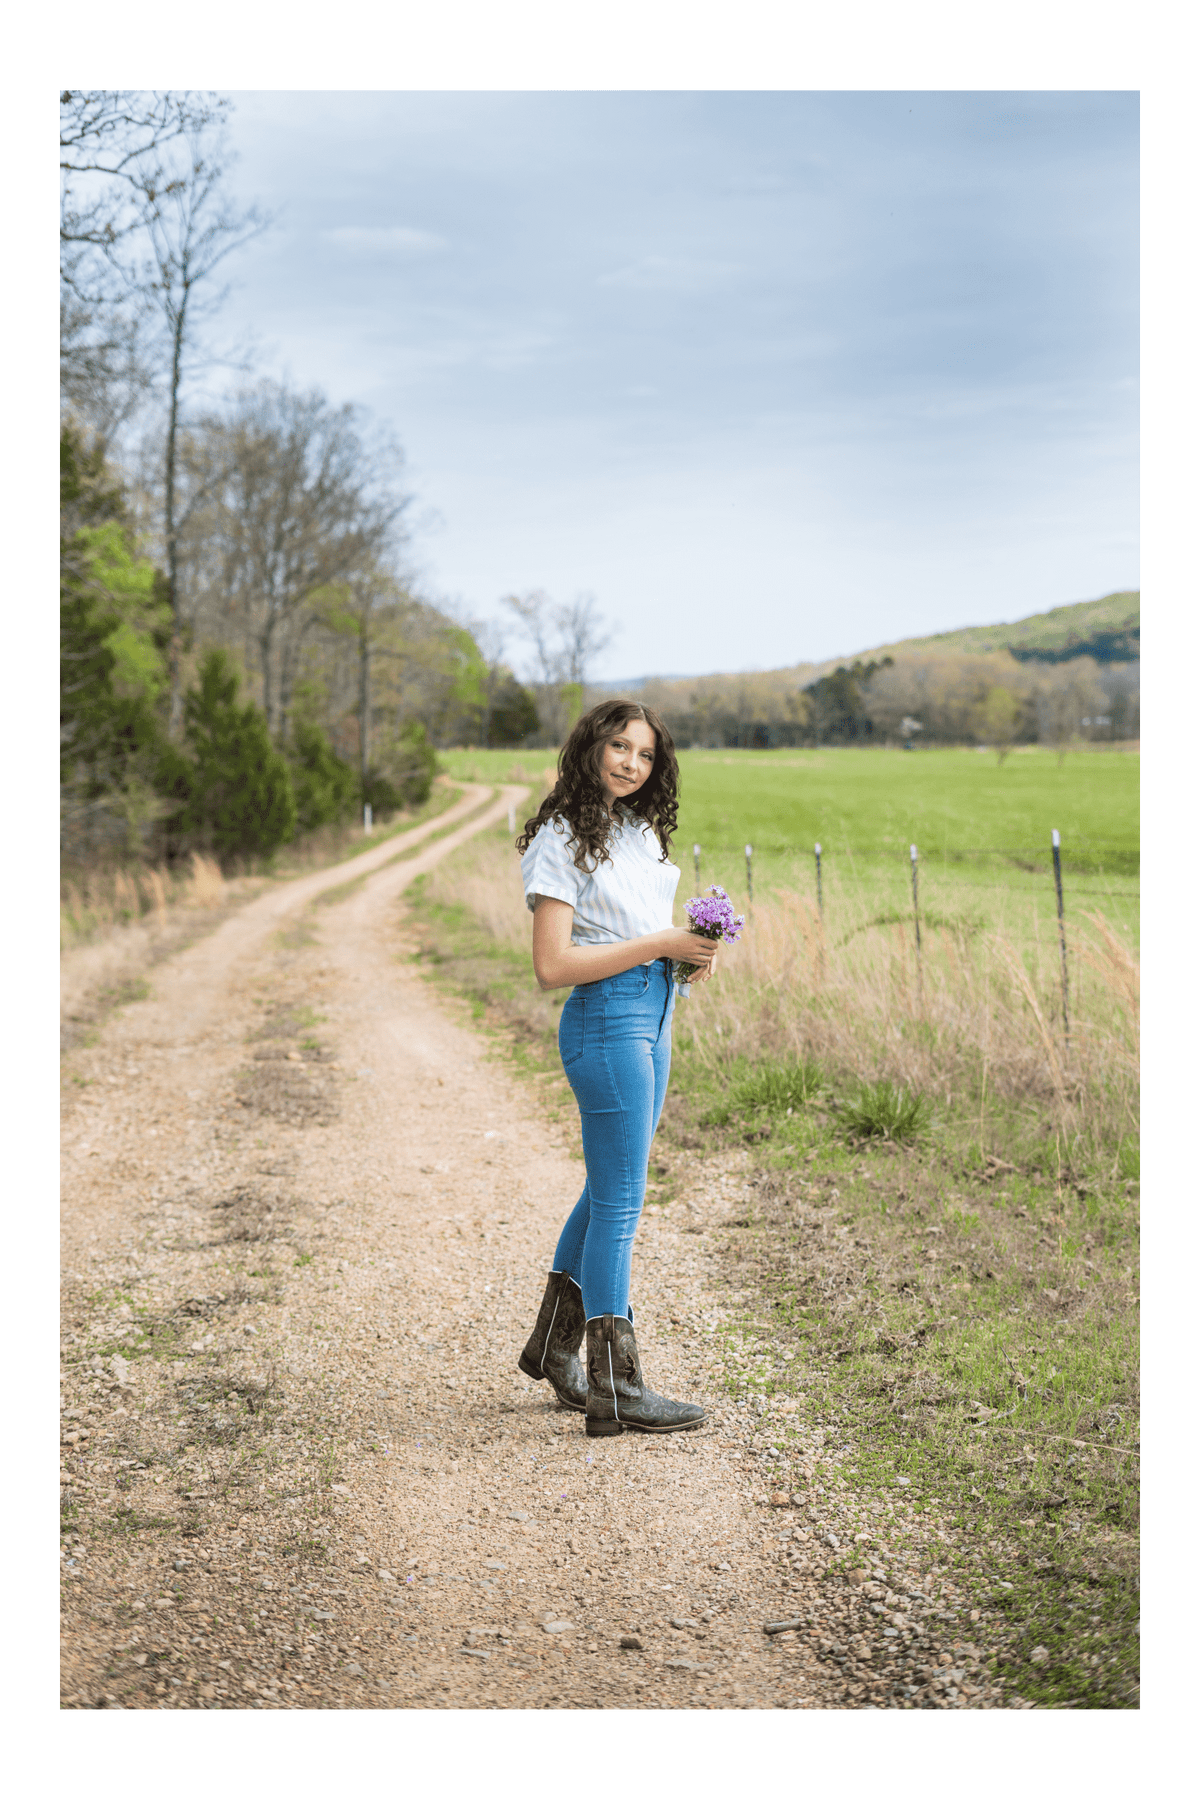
x: 1107, y: 629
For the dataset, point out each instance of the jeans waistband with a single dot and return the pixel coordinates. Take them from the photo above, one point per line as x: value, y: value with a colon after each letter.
x: 661, y: 965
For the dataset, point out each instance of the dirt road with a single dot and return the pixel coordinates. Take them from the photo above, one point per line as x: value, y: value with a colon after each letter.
x: 306, y: 1226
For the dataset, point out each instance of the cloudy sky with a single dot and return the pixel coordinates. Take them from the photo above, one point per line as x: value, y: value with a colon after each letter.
x: 775, y: 376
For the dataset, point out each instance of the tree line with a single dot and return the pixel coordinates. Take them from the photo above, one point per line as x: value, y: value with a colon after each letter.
x: 909, y: 697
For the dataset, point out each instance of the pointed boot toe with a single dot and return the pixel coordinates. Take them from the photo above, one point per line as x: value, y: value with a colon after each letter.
x: 618, y: 1398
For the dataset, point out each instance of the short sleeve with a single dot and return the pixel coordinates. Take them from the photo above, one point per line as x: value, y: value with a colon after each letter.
x: 547, y: 868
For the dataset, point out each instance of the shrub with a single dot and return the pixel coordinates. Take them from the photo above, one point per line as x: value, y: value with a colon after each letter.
x: 325, y: 787
x: 882, y: 1110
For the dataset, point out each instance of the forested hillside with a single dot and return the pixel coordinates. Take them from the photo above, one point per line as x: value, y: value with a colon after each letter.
x: 1068, y: 675
x: 1107, y: 630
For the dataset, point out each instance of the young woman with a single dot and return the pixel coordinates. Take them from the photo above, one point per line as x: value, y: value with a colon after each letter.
x: 600, y: 887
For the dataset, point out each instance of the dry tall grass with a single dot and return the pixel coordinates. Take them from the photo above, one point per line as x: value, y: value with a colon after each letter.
x: 95, y: 902
x: 115, y: 922
x: 981, y: 1021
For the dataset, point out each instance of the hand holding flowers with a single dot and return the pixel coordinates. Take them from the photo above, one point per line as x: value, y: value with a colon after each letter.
x: 711, y: 916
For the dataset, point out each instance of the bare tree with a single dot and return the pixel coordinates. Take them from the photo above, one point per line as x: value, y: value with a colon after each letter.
x: 192, y: 226
x: 535, y: 611
x: 302, y: 503
x: 580, y: 629
x: 111, y: 142
x: 565, y: 641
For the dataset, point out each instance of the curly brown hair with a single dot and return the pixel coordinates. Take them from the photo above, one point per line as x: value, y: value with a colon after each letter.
x: 578, y: 798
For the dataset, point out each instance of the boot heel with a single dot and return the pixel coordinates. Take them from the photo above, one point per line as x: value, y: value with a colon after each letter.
x: 530, y: 1368
x: 604, y: 1427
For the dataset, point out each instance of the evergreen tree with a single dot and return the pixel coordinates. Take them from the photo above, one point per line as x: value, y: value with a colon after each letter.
x: 325, y: 787
x: 403, y: 775
x: 239, y: 799
x: 514, y: 716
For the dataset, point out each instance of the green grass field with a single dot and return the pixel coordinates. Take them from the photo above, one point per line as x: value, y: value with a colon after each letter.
x: 982, y: 829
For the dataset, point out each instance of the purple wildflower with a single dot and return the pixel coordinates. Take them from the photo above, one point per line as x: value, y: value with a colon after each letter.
x: 715, y: 917
x: 712, y: 915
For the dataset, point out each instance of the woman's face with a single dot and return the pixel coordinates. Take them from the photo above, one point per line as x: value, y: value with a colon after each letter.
x: 626, y: 760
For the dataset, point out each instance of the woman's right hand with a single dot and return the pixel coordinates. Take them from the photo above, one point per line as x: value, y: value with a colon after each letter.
x: 688, y: 946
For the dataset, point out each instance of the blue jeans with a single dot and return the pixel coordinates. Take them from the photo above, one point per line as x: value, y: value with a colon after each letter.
x: 615, y: 1041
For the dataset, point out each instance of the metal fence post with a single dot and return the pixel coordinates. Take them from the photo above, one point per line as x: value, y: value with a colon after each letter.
x: 368, y: 819
x: 912, y: 851
x: 696, y: 864
x: 1055, y: 841
x: 820, y: 895
x: 749, y: 874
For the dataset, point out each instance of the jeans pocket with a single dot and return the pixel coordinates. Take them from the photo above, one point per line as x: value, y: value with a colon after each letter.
x: 633, y: 984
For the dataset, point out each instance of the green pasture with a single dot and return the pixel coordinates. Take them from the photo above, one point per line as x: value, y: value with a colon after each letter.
x: 982, y: 829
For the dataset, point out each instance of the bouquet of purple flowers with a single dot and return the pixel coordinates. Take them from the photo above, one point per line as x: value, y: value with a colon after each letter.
x: 711, y: 915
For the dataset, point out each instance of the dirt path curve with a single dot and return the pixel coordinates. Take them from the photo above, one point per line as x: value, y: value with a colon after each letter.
x: 307, y: 1220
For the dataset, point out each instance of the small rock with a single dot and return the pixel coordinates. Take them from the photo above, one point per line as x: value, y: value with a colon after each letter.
x: 249, y: 1330
x: 385, y: 1574
x: 555, y: 1626
x: 500, y: 1567
x: 683, y: 1623
x: 832, y: 1540
x: 632, y: 1643
x: 353, y: 1668
x: 521, y: 1517
x: 679, y: 1662
x: 1039, y: 1655
x: 385, y: 1684
x: 480, y: 1655
x: 902, y: 1480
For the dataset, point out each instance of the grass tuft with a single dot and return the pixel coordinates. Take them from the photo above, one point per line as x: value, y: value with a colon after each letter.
x: 773, y: 1088
x: 883, y: 1110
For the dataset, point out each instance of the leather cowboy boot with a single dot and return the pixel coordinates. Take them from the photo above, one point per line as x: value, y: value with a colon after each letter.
x: 552, y: 1351
x: 617, y: 1396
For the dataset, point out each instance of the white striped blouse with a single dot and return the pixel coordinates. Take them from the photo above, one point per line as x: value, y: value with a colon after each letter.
x: 630, y: 896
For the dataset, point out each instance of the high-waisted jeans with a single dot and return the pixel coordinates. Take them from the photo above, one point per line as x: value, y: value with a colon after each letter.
x: 615, y: 1040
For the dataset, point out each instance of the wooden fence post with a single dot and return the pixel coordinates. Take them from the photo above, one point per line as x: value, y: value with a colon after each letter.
x: 1055, y: 842
x: 912, y: 851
